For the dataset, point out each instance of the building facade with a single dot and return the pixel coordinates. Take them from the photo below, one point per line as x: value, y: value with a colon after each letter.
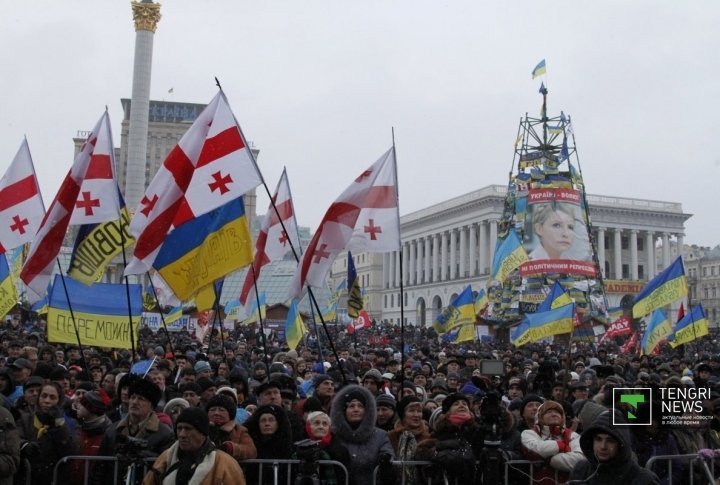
x: 702, y: 266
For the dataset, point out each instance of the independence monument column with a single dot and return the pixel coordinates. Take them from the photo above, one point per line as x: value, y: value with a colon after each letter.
x: 146, y: 15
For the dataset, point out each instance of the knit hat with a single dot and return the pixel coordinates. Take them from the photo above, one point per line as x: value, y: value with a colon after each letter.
x: 355, y: 394
x: 174, y: 403
x: 147, y: 390
x: 373, y: 374
x: 205, y: 383
x: 527, y: 400
x: 547, y: 406
x: 385, y: 400
x: 223, y: 401
x: 202, y: 366
x: 196, y: 418
x: 319, y: 379
x: 452, y: 398
x: 228, y: 391
x: 405, y: 402
x: 93, y: 401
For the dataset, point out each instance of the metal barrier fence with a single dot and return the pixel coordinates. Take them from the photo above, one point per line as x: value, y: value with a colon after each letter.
x: 705, y: 469
x: 274, y: 467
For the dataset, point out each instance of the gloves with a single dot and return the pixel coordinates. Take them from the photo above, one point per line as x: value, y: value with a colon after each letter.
x: 385, y: 460
x: 30, y: 450
x: 227, y: 447
x: 563, y: 447
x: 708, y: 454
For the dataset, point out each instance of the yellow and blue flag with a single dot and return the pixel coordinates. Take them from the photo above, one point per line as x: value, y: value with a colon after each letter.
x: 97, y: 244
x: 463, y: 333
x: 205, y: 249
x: 509, y: 255
x: 481, y: 301
x: 460, y: 311
x: 100, y: 310
x: 556, y: 298
x: 658, y: 329
x: 355, y: 297
x: 539, y: 69
x: 294, y: 326
x: 691, y: 327
x: 258, y: 310
x: 537, y: 326
x: 667, y: 287
x: 173, y: 315
x: 8, y: 292
x: 208, y: 296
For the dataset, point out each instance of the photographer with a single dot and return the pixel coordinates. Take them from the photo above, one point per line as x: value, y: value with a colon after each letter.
x: 137, y: 436
x: 321, y: 445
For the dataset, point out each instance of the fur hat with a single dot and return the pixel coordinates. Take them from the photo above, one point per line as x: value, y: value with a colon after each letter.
x: 173, y: 403
x: 195, y: 417
x: 355, y: 395
x: 405, y: 402
x: 547, y: 406
x: 147, y: 390
x: 452, y: 398
x: 223, y: 401
x: 527, y: 400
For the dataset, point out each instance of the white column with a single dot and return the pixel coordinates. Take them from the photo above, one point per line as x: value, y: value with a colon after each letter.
x: 650, y: 251
x: 482, y: 227
x: 444, y: 256
x: 633, y: 255
x: 493, y: 240
x: 427, y: 260
x: 398, y: 255
x: 386, y: 270
x: 436, y: 257
x: 665, y: 250
x: 601, y: 249
x: 412, y: 276
x: 463, y: 251
x: 406, y: 264
x: 617, y: 253
x: 391, y: 270
x: 680, y: 243
x: 453, y: 255
x: 472, y: 249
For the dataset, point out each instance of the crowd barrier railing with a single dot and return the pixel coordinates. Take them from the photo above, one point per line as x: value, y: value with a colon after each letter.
x: 707, y: 470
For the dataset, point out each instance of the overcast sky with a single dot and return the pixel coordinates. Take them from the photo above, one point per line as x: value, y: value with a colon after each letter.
x: 318, y: 85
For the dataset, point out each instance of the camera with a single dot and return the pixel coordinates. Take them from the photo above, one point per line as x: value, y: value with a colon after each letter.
x: 129, y: 448
x: 308, y: 452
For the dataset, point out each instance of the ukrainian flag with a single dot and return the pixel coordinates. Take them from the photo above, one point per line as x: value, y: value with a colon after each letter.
x: 100, y: 311
x: 556, y: 298
x: 8, y: 292
x: 658, y: 329
x: 205, y: 249
x: 481, y: 301
x: 537, y: 326
x: 539, y: 69
x: 463, y: 333
x: 667, y: 287
x: 461, y: 311
x: 355, y: 299
x: 692, y: 326
x: 258, y: 311
x: 174, y: 315
x: 294, y: 326
x: 509, y: 255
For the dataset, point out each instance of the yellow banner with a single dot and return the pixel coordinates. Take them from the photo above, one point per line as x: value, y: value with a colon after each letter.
x: 511, y: 263
x: 665, y: 294
x: 538, y: 333
x: 98, y: 248
x: 95, y: 330
x: 8, y: 296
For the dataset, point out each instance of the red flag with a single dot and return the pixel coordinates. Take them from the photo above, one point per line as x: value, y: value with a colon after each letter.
x: 632, y: 342
x: 21, y: 205
x: 272, y: 242
x: 209, y: 167
x: 364, y: 218
x: 362, y: 321
x: 681, y: 312
x: 88, y: 195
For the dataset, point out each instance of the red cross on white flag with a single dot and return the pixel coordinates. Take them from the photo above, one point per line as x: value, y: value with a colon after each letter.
x: 210, y: 166
x: 87, y: 195
x: 21, y: 205
x: 364, y: 218
x: 272, y: 242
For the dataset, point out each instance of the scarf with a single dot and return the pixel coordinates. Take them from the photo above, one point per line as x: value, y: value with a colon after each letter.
x: 323, y: 442
x: 40, y: 428
x: 458, y: 420
x: 407, y: 445
x: 188, y: 469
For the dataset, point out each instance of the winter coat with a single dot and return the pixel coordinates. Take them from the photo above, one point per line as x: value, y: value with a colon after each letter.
x: 277, y: 446
x: 9, y: 447
x: 89, y: 437
x: 243, y: 447
x: 558, y: 448
x: 622, y: 469
x: 54, y: 443
x: 216, y: 468
x: 365, y: 443
x: 404, y: 441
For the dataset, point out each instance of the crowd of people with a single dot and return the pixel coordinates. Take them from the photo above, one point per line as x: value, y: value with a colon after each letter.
x: 208, y: 414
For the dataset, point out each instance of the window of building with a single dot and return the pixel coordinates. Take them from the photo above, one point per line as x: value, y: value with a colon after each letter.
x: 712, y: 270
x: 714, y: 292
x: 625, y: 271
x: 405, y: 299
x: 705, y: 271
x: 624, y: 242
x: 641, y: 272
x: 606, y: 243
x: 640, y: 244
x: 385, y: 301
x: 706, y: 292
x: 392, y: 300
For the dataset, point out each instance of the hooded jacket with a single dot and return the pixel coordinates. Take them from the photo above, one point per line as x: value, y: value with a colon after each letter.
x: 365, y: 443
x: 622, y: 468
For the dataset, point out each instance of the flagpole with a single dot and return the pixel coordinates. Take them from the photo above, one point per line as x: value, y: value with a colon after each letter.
x: 162, y: 316
x: 260, y: 319
x: 127, y: 291
x: 72, y: 316
x: 217, y: 314
x: 400, y: 264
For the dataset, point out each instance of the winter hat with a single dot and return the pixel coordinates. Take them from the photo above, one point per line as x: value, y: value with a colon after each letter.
x: 385, y: 400
x: 527, y: 400
x: 195, y: 417
x: 205, y: 383
x: 202, y: 366
x: 373, y: 374
x: 547, y: 406
x: 147, y: 390
x: 93, y: 401
x: 228, y: 391
x: 353, y: 395
x: 174, y: 403
x: 587, y: 410
x: 34, y: 381
x: 319, y: 379
x: 452, y: 398
x: 223, y: 401
x: 405, y: 402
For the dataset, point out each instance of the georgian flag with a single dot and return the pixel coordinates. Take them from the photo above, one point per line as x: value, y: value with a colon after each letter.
x: 88, y: 195
x: 364, y: 218
x: 21, y: 205
x: 273, y: 243
x: 210, y: 166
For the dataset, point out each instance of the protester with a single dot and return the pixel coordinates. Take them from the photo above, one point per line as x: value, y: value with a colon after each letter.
x: 9, y: 447
x: 409, y: 430
x: 318, y: 429
x: 270, y: 430
x: 225, y: 433
x: 193, y: 458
